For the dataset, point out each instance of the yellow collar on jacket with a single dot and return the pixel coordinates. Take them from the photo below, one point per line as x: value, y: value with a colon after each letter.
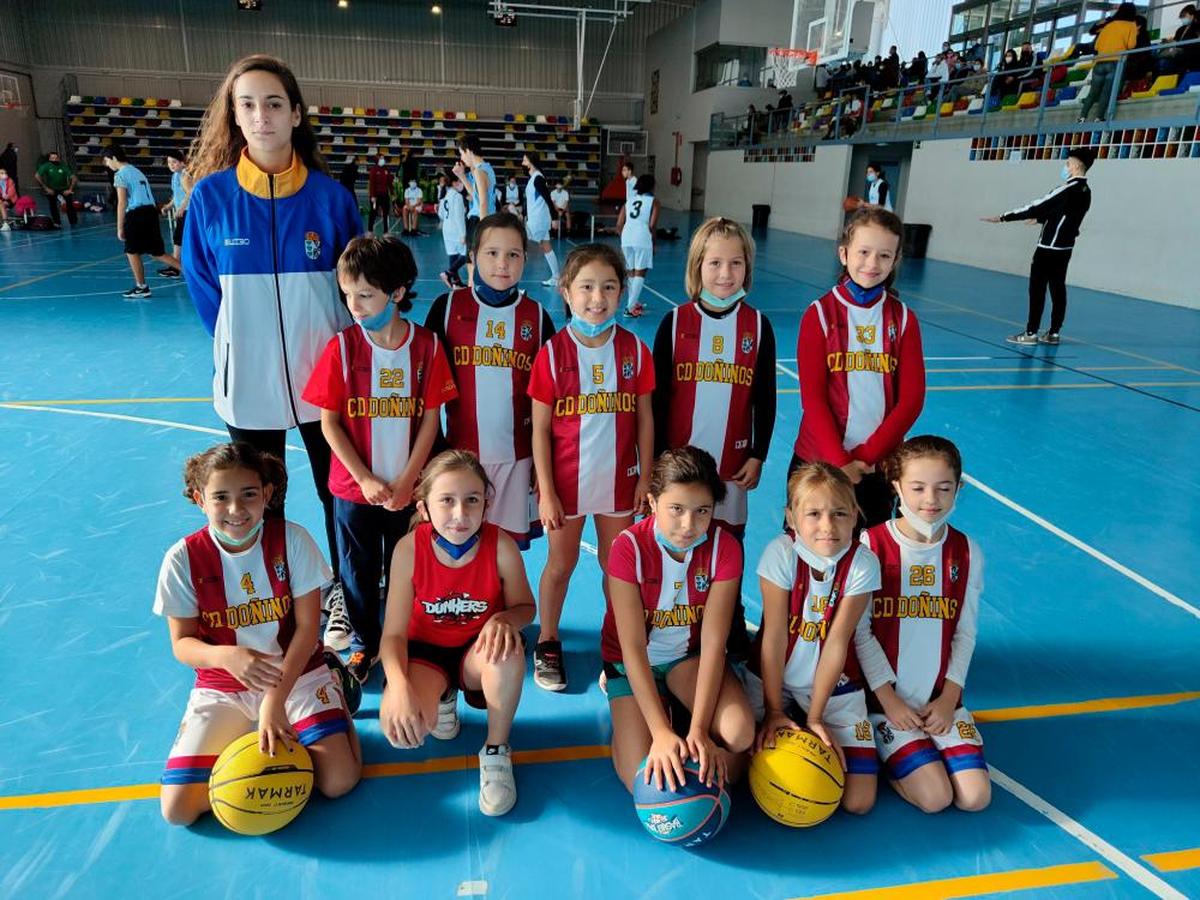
x: 257, y: 182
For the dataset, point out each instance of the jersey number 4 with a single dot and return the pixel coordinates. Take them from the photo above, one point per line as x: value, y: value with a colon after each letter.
x: 247, y: 584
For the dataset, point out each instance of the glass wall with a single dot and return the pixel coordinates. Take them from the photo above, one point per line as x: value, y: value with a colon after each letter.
x: 729, y: 64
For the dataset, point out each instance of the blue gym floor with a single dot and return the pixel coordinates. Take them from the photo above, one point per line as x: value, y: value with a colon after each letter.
x: 1082, y: 492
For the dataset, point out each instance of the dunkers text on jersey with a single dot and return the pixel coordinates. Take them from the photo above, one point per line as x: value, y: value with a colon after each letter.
x: 714, y: 372
x: 594, y: 404
x: 918, y: 606
x: 460, y: 607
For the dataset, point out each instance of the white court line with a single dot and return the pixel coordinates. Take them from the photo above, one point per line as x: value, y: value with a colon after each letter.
x: 56, y: 236
x: 1133, y: 869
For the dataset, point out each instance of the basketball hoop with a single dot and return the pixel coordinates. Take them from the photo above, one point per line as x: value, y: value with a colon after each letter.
x: 786, y: 63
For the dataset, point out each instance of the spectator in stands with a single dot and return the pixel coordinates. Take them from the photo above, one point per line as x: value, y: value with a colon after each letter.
x: 1009, y: 77
x: 751, y: 131
x: 57, y: 180
x: 8, y: 160
x: 1119, y: 35
x: 8, y: 197
x: 349, y: 177
x: 918, y: 69
x: 1139, y: 67
x: 379, y: 189
x: 973, y: 85
x: 1027, y: 57
x: 939, y: 71
x: 1180, y: 60
x: 890, y: 76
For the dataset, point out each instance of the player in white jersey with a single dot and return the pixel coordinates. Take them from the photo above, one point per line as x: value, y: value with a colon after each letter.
x: 918, y: 649
x: 539, y: 207
x: 414, y: 199
x: 452, y: 210
x: 636, y: 223
x: 512, y: 197
x: 562, y: 208
x: 630, y: 180
x: 242, y: 600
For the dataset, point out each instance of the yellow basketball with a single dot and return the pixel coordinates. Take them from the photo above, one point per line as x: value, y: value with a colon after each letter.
x: 253, y: 793
x: 800, y: 782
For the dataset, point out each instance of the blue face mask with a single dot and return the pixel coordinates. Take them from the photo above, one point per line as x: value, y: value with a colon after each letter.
x: 590, y: 329
x: 381, y: 319
x: 872, y: 177
x: 861, y: 295
x: 667, y: 545
x: 1066, y: 173
x: 489, y: 294
x: 456, y: 551
x: 716, y: 302
x: 236, y: 542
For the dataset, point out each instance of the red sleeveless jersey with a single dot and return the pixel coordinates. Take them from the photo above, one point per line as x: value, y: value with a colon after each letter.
x: 713, y: 363
x: 220, y: 621
x: 637, y: 557
x: 814, y: 629
x: 915, y: 613
x: 491, y: 351
x: 451, y: 606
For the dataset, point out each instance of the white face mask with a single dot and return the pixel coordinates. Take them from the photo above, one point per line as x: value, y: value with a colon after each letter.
x: 815, y: 560
x: 923, y: 526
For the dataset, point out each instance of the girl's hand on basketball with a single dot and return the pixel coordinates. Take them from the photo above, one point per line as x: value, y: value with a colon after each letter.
x: 253, y: 668
x: 664, y: 762
x: 747, y: 476
x: 702, y: 749
x: 938, y: 715
x: 497, y: 640
x: 765, y: 739
x: 273, y: 727
x: 550, y: 511
x: 818, y: 728
x: 375, y: 490
x: 901, y: 715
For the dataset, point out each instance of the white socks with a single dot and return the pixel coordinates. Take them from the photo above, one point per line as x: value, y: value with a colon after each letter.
x: 552, y: 262
x: 635, y: 288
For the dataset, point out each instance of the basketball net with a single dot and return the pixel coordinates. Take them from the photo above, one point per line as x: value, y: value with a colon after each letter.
x: 787, y: 63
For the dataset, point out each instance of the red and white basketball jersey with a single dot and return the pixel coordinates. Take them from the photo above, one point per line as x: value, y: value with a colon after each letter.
x: 259, y: 615
x: 381, y: 395
x: 491, y: 352
x: 592, y: 393
x: 674, y: 592
x: 862, y: 356
x: 713, y: 362
x: 924, y: 616
x: 812, y: 602
x: 451, y: 606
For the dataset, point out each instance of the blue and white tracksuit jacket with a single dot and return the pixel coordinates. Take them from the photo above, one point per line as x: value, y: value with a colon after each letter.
x: 260, y: 253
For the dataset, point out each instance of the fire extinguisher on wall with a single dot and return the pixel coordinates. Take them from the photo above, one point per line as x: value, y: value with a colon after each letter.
x: 676, y: 172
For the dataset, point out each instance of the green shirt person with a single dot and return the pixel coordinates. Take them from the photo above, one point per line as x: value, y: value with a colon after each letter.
x: 55, y: 178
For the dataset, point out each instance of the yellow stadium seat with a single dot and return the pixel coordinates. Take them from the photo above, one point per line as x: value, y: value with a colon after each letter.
x: 1161, y: 83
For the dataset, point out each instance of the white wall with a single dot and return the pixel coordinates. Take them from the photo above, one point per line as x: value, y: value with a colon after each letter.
x: 804, y: 196
x: 756, y: 23
x: 1134, y: 240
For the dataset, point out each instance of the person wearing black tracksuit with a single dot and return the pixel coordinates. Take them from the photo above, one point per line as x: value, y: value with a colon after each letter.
x: 1061, y: 214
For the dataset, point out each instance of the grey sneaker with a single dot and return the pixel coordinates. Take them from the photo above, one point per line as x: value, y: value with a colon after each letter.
x: 1025, y: 338
x: 497, y: 787
x: 136, y: 292
x: 447, y: 726
x: 1049, y: 337
x: 337, y: 629
x: 548, y: 671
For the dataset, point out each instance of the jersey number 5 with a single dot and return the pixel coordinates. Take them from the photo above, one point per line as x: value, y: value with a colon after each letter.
x: 598, y: 374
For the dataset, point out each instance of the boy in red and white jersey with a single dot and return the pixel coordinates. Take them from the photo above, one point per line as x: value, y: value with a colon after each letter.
x: 379, y: 385
x: 493, y: 331
x: 923, y: 623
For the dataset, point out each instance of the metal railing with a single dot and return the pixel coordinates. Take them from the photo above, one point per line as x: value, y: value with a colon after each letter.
x: 858, y: 113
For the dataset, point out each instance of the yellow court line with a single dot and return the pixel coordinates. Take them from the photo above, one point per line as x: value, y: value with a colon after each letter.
x: 106, y: 402
x: 975, y: 885
x: 36, y: 278
x: 1175, y: 860
x: 1083, y: 707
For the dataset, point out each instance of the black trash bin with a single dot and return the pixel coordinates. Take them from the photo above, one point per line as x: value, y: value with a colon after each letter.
x: 916, y: 240
x: 761, y: 212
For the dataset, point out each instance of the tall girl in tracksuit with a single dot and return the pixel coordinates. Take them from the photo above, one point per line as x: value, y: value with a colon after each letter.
x: 264, y: 231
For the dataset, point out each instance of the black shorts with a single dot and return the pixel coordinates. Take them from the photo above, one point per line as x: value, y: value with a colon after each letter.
x: 472, y: 224
x: 142, y: 233
x: 448, y: 661
x: 177, y: 233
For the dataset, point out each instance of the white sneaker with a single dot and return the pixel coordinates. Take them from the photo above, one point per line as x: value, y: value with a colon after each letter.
x: 447, y: 725
x: 4, y: 226
x: 338, y: 628
x: 550, y: 282
x: 497, y: 789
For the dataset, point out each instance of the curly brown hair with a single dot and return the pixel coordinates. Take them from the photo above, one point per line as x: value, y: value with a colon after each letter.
x: 219, y: 142
x: 237, y: 455
x: 921, y: 446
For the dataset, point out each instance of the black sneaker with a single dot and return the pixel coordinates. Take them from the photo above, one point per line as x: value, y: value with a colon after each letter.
x: 1049, y: 337
x: 136, y: 292
x: 548, y: 671
x: 169, y: 272
x: 346, y: 683
x: 1025, y: 338
x: 360, y: 666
